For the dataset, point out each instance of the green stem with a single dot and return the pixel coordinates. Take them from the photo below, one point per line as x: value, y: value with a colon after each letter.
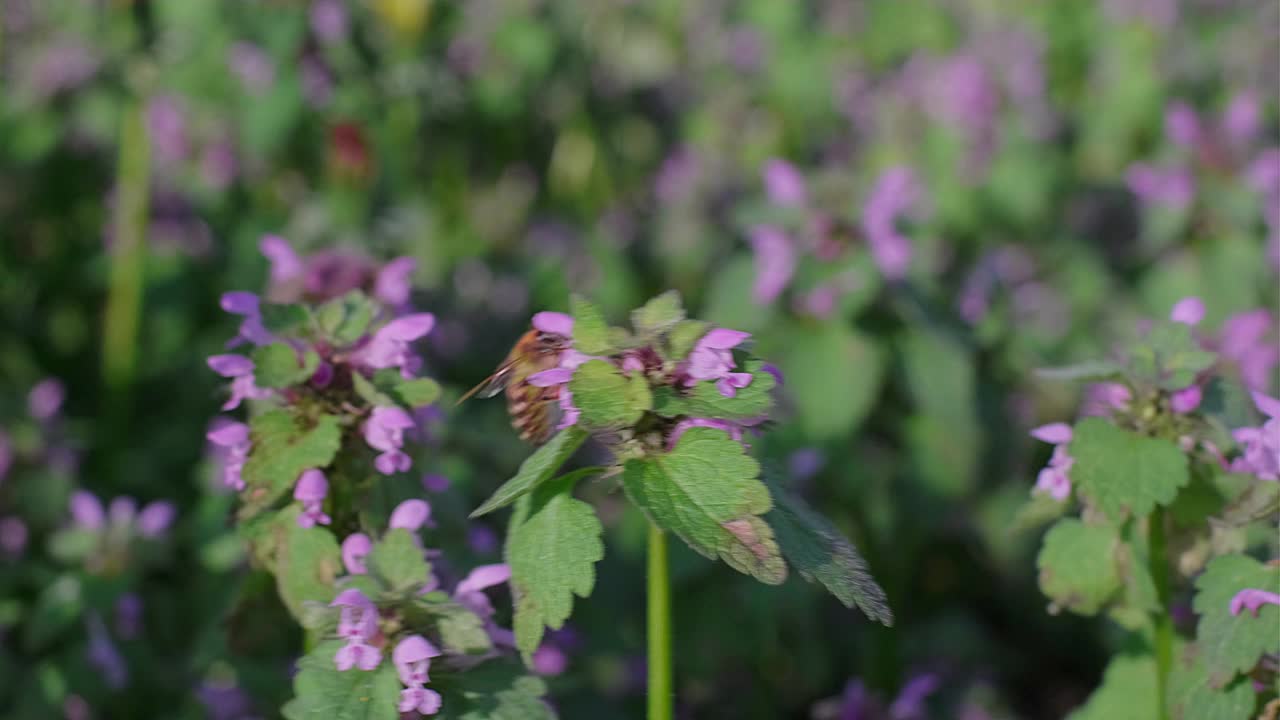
x: 661, y: 697
x: 1159, y: 565
x: 128, y: 252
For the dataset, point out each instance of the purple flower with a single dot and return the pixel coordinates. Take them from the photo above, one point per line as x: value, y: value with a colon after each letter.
x: 482, y: 539
x: 1182, y: 125
x: 412, y: 658
x: 712, y: 359
x: 1242, y: 118
x: 104, y: 656
x: 234, y: 439
x: 254, y: 67
x: 411, y: 515
x: 1173, y: 187
x: 129, y: 615
x: 469, y: 593
x: 389, y: 347
x: 804, y: 463
x: 1253, y: 600
x: 86, y: 510
x: 1188, y: 311
x: 355, y: 548
x: 1053, y: 479
x: 13, y: 535
x: 895, y: 192
x: 435, y: 482
x: 357, y: 625
x: 167, y: 128
x: 392, y: 284
x: 329, y: 20
x: 1186, y: 400
x: 554, y: 323
x: 286, y: 266
x: 549, y: 660
x: 784, y: 184
x: 1243, y: 340
x: 45, y: 399
x: 156, y: 518
x: 775, y: 262
x: 424, y: 700
x: 240, y: 369
x: 1261, y: 445
x: 384, y: 431
x: 1103, y: 399
x: 246, y: 305
x: 909, y: 704
x: 311, y: 489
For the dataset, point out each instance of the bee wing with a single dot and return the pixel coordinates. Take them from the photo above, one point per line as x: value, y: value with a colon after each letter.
x: 491, y: 385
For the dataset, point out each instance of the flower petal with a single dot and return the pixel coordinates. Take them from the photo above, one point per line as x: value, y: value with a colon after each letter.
x: 1056, y: 433
x: 553, y: 322
x: 723, y: 339
x: 483, y: 577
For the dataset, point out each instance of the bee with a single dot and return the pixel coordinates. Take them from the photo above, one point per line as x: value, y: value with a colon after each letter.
x: 532, y: 409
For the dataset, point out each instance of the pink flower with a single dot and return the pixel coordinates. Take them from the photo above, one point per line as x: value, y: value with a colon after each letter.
x: 286, y: 266
x: 1186, y: 400
x: 1053, y: 479
x: 1188, y: 311
x: 895, y: 192
x: 358, y: 625
x: 412, y: 658
x: 389, y: 346
x: 392, y: 285
x: 311, y: 490
x: 554, y: 323
x: 775, y: 262
x: 246, y: 305
x: 784, y: 184
x: 240, y: 369
x: 1261, y: 445
x: 233, y: 438
x: 1182, y: 125
x: 384, y: 431
x: 411, y: 515
x: 469, y: 593
x: 355, y: 548
x: 712, y: 359
x: 1252, y: 600
x: 1174, y: 187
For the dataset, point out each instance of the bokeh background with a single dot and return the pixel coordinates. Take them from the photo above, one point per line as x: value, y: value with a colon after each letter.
x: 911, y: 205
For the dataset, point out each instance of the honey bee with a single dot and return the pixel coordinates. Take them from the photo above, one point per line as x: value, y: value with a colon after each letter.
x: 532, y: 409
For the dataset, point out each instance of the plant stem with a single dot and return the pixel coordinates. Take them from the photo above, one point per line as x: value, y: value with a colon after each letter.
x: 661, y: 697
x: 1159, y: 565
x: 128, y: 253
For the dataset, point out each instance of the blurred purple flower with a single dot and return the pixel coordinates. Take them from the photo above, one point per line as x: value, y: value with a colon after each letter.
x: 804, y: 463
x: 435, y: 482
x: 775, y: 263
x: 549, y: 660
x: 1103, y: 399
x: 678, y: 177
x: 1243, y: 340
x: 357, y: 625
x: 167, y: 129
x: 1173, y: 187
x: 482, y: 539
x: 13, y: 535
x: 1182, y: 125
x: 1261, y: 445
x: 286, y: 266
x: 355, y: 548
x: 156, y: 518
x: 389, y: 347
x: 1186, y: 400
x: 784, y: 184
x: 1242, y: 118
x: 909, y: 705
x: 104, y: 656
x: 240, y: 369
x: 317, y: 81
x: 254, y: 67
x: 894, y: 194
x: 218, y: 164
x: 712, y: 359
x: 86, y: 510
x: 1188, y: 311
x: 1053, y: 479
x: 311, y: 490
x: 411, y: 515
x: 225, y: 702
x: 469, y: 593
x: 1252, y: 600
x: 412, y: 658
x: 392, y: 284
x: 246, y: 305
x: 234, y: 439
x: 746, y: 49
x: 45, y: 399
x: 384, y: 431
x: 329, y: 20
x: 129, y: 615
x: 62, y: 65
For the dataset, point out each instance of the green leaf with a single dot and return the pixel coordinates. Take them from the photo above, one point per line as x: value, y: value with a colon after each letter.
x: 460, y: 629
x: 832, y: 372
x: 281, y: 319
x: 1128, y: 691
x: 58, y: 606
x: 816, y: 548
x: 323, y: 693
x: 707, y: 491
x: 1191, y: 697
x: 1040, y: 510
x: 552, y: 547
x: 590, y: 331
x: 1169, y: 357
x: 535, y: 470
x: 411, y: 393
x: 346, y: 319
x: 684, y: 336
x: 705, y: 401
x: 277, y: 365
x: 1093, y: 371
x: 397, y: 560
x: 283, y: 446
x: 659, y: 314
x: 1078, y: 565
x: 1123, y: 472
x: 492, y: 691
x: 1232, y: 644
x: 307, y: 563
x: 369, y: 392
x: 606, y: 397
